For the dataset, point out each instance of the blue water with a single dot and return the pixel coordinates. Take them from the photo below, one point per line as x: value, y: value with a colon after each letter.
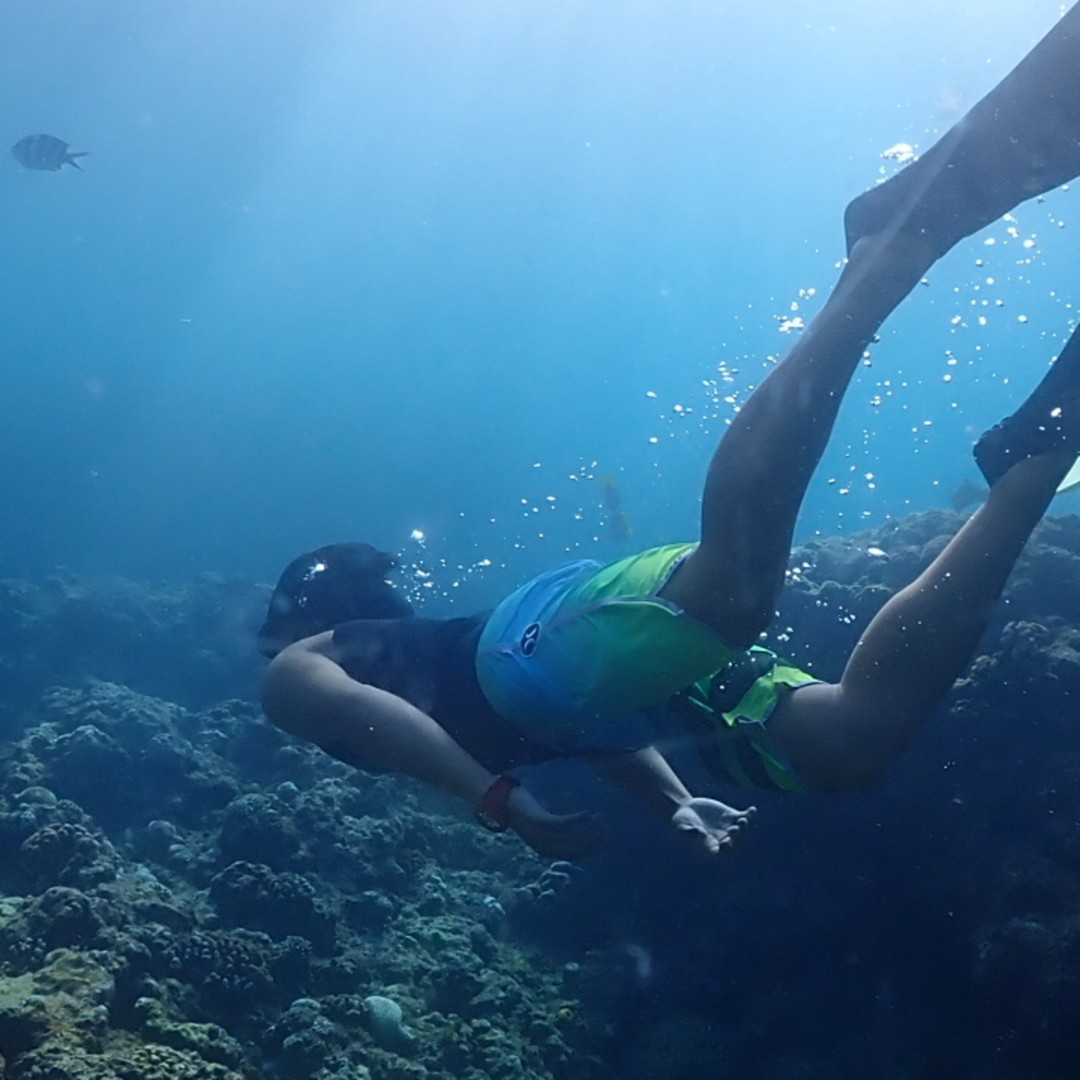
x: 348, y: 270
x: 461, y: 279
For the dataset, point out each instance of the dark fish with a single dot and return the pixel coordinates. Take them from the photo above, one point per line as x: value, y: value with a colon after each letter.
x: 45, y: 152
x: 968, y: 494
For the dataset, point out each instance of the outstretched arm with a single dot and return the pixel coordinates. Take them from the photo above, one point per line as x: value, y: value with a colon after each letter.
x: 708, y: 824
x: 307, y: 693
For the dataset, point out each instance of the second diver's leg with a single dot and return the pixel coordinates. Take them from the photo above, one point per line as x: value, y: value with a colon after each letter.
x: 760, y: 471
x: 843, y: 736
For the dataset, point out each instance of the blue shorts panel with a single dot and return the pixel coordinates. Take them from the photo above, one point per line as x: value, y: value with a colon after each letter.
x: 584, y: 656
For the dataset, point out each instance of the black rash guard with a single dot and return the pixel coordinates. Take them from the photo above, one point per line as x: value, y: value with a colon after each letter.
x: 431, y: 663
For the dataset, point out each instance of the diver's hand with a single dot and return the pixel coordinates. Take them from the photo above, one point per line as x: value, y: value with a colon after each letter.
x: 554, y: 836
x: 709, y: 824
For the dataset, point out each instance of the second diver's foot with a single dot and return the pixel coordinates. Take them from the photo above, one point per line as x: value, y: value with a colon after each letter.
x: 1048, y: 422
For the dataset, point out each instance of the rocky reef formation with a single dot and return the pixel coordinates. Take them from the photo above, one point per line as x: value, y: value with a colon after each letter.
x: 186, y: 893
x: 191, y: 644
x: 926, y: 929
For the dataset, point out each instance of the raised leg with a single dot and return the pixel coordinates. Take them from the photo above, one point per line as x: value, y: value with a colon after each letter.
x: 1018, y: 141
x: 759, y: 474
x: 843, y: 736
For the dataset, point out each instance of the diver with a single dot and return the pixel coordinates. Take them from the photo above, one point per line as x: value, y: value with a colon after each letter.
x: 605, y: 663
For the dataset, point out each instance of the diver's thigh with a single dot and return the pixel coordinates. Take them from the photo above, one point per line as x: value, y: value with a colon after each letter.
x: 814, y: 727
x: 701, y: 586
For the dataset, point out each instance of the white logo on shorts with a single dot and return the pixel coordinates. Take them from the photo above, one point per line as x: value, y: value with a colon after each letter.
x: 529, y: 639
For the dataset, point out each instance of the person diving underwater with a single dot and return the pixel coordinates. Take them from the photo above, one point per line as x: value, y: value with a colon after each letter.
x: 605, y: 662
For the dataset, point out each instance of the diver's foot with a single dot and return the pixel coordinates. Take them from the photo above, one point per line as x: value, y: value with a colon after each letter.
x: 1047, y: 422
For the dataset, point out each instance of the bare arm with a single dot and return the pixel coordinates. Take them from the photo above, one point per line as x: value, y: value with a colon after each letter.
x: 708, y: 823
x: 308, y: 694
x: 647, y: 776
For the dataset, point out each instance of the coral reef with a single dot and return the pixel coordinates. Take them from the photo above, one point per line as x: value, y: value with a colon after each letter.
x: 189, y: 894
x: 186, y: 643
x: 386, y: 1021
x: 186, y: 893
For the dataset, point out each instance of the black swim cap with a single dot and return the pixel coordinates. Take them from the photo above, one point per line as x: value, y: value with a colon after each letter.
x: 328, y: 586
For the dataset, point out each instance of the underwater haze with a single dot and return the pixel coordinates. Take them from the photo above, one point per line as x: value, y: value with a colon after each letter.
x: 482, y: 283
x: 348, y: 270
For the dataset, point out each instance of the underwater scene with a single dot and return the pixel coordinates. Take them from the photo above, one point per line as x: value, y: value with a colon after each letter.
x: 540, y: 540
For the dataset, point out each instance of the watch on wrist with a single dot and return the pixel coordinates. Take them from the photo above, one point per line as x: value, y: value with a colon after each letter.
x: 494, y: 809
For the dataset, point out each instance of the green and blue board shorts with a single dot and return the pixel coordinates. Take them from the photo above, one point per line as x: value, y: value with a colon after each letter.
x: 589, y: 658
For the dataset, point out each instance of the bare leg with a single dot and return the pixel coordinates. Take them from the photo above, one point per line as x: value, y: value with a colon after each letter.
x: 1019, y: 141
x: 759, y: 474
x: 843, y: 736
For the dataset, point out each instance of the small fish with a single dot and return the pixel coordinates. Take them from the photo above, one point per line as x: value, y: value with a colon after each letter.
x: 968, y: 494
x: 45, y: 152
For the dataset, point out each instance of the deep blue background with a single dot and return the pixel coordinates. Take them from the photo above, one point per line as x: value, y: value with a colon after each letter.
x: 345, y: 270
x: 348, y: 269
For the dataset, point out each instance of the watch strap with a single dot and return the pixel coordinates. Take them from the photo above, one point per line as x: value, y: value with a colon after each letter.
x: 494, y: 809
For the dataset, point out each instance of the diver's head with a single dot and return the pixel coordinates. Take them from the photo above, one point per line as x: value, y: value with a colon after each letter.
x: 328, y: 586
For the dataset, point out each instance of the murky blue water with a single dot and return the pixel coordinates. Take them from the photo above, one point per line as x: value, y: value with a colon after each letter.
x: 481, y: 281
x: 348, y: 270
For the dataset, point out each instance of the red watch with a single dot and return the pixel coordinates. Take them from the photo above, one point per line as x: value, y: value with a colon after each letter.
x: 494, y: 809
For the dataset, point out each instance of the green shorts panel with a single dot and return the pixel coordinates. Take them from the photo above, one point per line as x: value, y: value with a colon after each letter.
x: 730, y: 713
x: 580, y: 657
